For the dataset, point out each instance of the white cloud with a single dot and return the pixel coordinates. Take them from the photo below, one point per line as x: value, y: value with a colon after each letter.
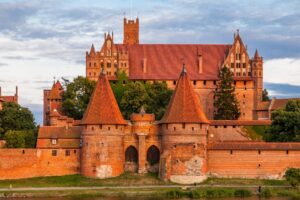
x: 283, y: 70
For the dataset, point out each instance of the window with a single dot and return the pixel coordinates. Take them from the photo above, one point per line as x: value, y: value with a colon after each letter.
x: 67, y: 153
x: 183, y: 125
x: 204, y: 82
x: 53, y: 141
x: 245, y: 82
x: 100, y: 126
x: 108, y: 65
x: 195, y: 82
x: 287, y: 152
x: 232, y: 65
x: 116, y: 126
x: 216, y: 126
x: 231, y: 151
x: 167, y: 127
x: 244, y: 65
x: 215, y: 82
x: 95, y: 65
x: 192, y: 128
x: 174, y: 128
x: 174, y: 82
x: 102, y: 65
x: 54, y: 152
x: 225, y: 126
x: 108, y: 128
x: 90, y: 64
x: 234, y: 126
x: 74, y: 151
x: 259, y: 152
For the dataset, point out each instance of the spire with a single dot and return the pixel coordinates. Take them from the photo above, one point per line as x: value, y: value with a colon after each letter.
x: 55, y: 92
x: 184, y: 106
x: 103, y: 107
x: 92, y: 51
x: 256, y: 55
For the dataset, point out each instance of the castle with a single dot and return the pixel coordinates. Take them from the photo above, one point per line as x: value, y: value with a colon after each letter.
x: 185, y: 146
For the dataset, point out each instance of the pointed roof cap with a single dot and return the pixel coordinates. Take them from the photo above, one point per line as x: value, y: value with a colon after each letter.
x: 103, y: 107
x: 92, y: 49
x: 184, y: 106
x: 56, y: 90
x: 256, y: 55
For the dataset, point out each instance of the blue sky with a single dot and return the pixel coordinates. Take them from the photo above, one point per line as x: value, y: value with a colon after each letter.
x: 40, y: 40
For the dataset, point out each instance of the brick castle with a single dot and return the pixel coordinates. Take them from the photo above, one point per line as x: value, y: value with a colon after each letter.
x: 186, y: 146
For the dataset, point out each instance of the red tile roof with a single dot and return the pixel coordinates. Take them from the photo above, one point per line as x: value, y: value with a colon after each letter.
x: 164, y: 61
x: 240, y: 122
x: 264, y: 105
x: 103, y: 107
x: 281, y: 103
x: 56, y: 90
x: 9, y: 99
x: 184, y: 106
x: 48, y: 132
x: 254, y: 146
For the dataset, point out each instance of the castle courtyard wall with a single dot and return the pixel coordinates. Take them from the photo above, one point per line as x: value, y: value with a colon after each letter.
x: 27, y: 163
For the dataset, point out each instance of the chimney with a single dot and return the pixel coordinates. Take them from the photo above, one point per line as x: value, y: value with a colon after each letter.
x: 144, y: 63
x: 200, y: 64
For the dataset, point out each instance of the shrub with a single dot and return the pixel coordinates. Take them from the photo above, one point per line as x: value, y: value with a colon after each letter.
x: 242, y: 193
x: 175, y: 194
x: 266, y: 193
x: 293, y: 176
x: 216, y: 193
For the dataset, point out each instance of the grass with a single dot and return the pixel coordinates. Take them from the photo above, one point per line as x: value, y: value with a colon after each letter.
x: 255, y: 133
x: 238, y: 181
x: 126, y: 179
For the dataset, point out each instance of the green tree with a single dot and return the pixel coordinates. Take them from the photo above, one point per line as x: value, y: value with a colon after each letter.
x: 225, y: 102
x: 76, y: 96
x: 159, y: 97
x: 120, y: 86
x: 285, y: 125
x: 134, y: 98
x: 14, y: 139
x: 15, y: 117
x: 265, y: 95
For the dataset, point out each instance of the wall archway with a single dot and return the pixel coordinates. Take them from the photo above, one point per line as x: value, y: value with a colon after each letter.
x: 131, y: 159
x: 153, y: 157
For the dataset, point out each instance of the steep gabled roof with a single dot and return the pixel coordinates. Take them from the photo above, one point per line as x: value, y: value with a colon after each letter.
x: 164, y: 61
x: 56, y: 90
x: 103, y: 107
x: 184, y: 106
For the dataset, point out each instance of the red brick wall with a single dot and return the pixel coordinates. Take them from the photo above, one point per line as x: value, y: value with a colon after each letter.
x: 25, y: 163
x: 251, y: 163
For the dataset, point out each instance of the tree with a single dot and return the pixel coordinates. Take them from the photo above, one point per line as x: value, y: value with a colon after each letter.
x: 15, y: 117
x: 77, y: 96
x: 133, y: 99
x: 14, y: 139
x: 285, y: 125
x: 159, y: 97
x: 120, y: 86
x: 225, y: 102
x: 265, y: 95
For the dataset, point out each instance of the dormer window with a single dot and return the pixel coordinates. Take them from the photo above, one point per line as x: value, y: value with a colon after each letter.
x: 54, y: 141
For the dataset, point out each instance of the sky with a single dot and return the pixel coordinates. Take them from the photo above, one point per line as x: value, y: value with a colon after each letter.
x: 43, y: 40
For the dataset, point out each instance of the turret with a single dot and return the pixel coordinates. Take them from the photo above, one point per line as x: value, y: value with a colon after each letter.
x: 131, y: 31
x: 102, y: 153
x: 184, y: 134
x: 257, y: 74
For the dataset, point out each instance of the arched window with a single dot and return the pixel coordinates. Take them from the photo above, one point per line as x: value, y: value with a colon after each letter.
x: 131, y: 154
x: 153, y: 155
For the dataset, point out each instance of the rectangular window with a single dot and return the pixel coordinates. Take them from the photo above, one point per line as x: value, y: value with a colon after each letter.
x: 232, y: 65
x: 244, y: 65
x: 68, y: 152
x: 54, y: 152
x: 108, y: 65
x: 204, y: 82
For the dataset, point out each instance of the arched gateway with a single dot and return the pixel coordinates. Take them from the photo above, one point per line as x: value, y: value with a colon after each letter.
x: 131, y: 159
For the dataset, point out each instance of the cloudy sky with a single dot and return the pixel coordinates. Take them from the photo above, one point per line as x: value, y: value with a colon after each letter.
x: 40, y: 40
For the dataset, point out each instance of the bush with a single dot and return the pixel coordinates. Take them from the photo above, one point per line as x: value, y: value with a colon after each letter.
x: 242, y: 193
x: 293, y: 176
x: 266, y: 193
x: 20, y: 139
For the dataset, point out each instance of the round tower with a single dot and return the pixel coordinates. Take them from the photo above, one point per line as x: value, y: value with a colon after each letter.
x: 102, y: 150
x: 184, y: 136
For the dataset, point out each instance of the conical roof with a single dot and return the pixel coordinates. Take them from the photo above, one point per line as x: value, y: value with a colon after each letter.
x: 103, y: 107
x: 256, y: 55
x: 56, y: 90
x: 184, y: 106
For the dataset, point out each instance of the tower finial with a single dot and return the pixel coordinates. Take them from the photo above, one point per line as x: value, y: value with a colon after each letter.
x: 183, y: 69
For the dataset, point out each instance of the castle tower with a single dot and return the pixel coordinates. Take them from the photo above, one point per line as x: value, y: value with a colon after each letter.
x: 257, y: 74
x: 131, y: 31
x: 102, y: 152
x: 184, y: 136
x: 52, y: 101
